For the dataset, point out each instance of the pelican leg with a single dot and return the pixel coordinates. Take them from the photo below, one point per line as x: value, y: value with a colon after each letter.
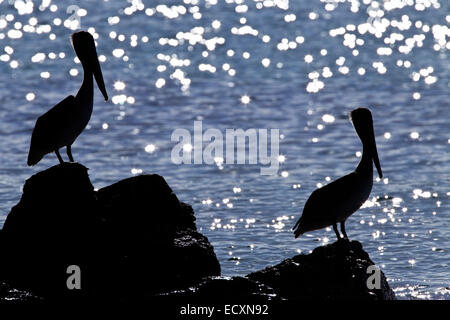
x: 69, y: 153
x: 336, y: 231
x: 343, y: 230
x: 59, y: 156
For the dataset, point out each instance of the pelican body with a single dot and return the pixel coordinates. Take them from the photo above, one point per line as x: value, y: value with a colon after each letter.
x: 341, y: 198
x: 63, y: 123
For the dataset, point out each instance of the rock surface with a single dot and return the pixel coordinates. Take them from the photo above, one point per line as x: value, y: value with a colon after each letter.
x: 135, y: 241
x: 220, y: 289
x: 130, y: 238
x: 337, y: 271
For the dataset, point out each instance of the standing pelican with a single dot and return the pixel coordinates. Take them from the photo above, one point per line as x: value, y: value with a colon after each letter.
x: 340, y: 199
x: 63, y: 123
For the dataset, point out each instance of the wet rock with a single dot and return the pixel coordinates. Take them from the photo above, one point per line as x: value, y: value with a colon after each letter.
x: 338, y: 271
x: 223, y: 289
x: 51, y: 228
x: 130, y: 238
x: 135, y: 241
x: 9, y: 294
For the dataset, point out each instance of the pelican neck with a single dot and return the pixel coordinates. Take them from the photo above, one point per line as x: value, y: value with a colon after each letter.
x: 87, y: 87
x: 365, y: 164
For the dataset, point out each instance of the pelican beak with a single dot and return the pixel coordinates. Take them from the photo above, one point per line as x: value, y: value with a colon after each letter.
x: 374, y: 152
x: 363, y: 123
x: 99, y: 76
x: 84, y: 45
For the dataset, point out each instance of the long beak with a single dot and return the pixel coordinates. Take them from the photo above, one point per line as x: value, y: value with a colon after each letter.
x: 99, y: 76
x: 373, y: 149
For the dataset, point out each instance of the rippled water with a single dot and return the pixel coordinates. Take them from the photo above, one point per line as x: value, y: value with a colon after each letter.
x: 253, y: 64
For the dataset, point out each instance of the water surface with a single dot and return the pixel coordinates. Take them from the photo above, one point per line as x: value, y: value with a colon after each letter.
x: 252, y: 64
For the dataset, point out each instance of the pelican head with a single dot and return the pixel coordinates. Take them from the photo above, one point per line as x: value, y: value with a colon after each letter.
x: 362, y: 121
x: 84, y: 46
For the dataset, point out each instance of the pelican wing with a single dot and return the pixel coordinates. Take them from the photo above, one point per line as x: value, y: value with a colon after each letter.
x: 329, y: 204
x: 48, y: 133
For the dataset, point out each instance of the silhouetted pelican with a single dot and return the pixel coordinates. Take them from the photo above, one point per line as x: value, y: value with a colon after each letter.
x: 63, y: 123
x: 340, y: 199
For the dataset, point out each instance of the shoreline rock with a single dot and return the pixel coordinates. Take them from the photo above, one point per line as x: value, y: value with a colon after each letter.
x: 130, y: 238
x: 135, y: 241
x: 337, y: 271
x: 334, y: 272
x: 221, y: 289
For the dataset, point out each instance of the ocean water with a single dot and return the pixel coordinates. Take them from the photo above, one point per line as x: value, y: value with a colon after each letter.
x: 296, y: 66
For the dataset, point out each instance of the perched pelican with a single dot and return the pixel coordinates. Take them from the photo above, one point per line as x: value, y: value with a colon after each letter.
x: 63, y: 123
x: 340, y: 199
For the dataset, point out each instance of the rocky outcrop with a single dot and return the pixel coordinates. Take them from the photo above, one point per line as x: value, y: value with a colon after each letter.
x: 135, y: 241
x: 221, y: 289
x: 131, y: 238
x: 13, y: 295
x: 338, y: 271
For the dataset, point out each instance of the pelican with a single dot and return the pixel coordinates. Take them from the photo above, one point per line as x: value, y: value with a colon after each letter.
x: 63, y: 123
x: 341, y: 198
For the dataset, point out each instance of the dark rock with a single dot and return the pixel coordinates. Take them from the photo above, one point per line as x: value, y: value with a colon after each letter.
x: 135, y: 241
x: 51, y: 228
x: 133, y: 197
x: 9, y: 294
x: 337, y: 271
x: 221, y: 289
x: 333, y: 272
x: 130, y: 238
x: 189, y: 248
